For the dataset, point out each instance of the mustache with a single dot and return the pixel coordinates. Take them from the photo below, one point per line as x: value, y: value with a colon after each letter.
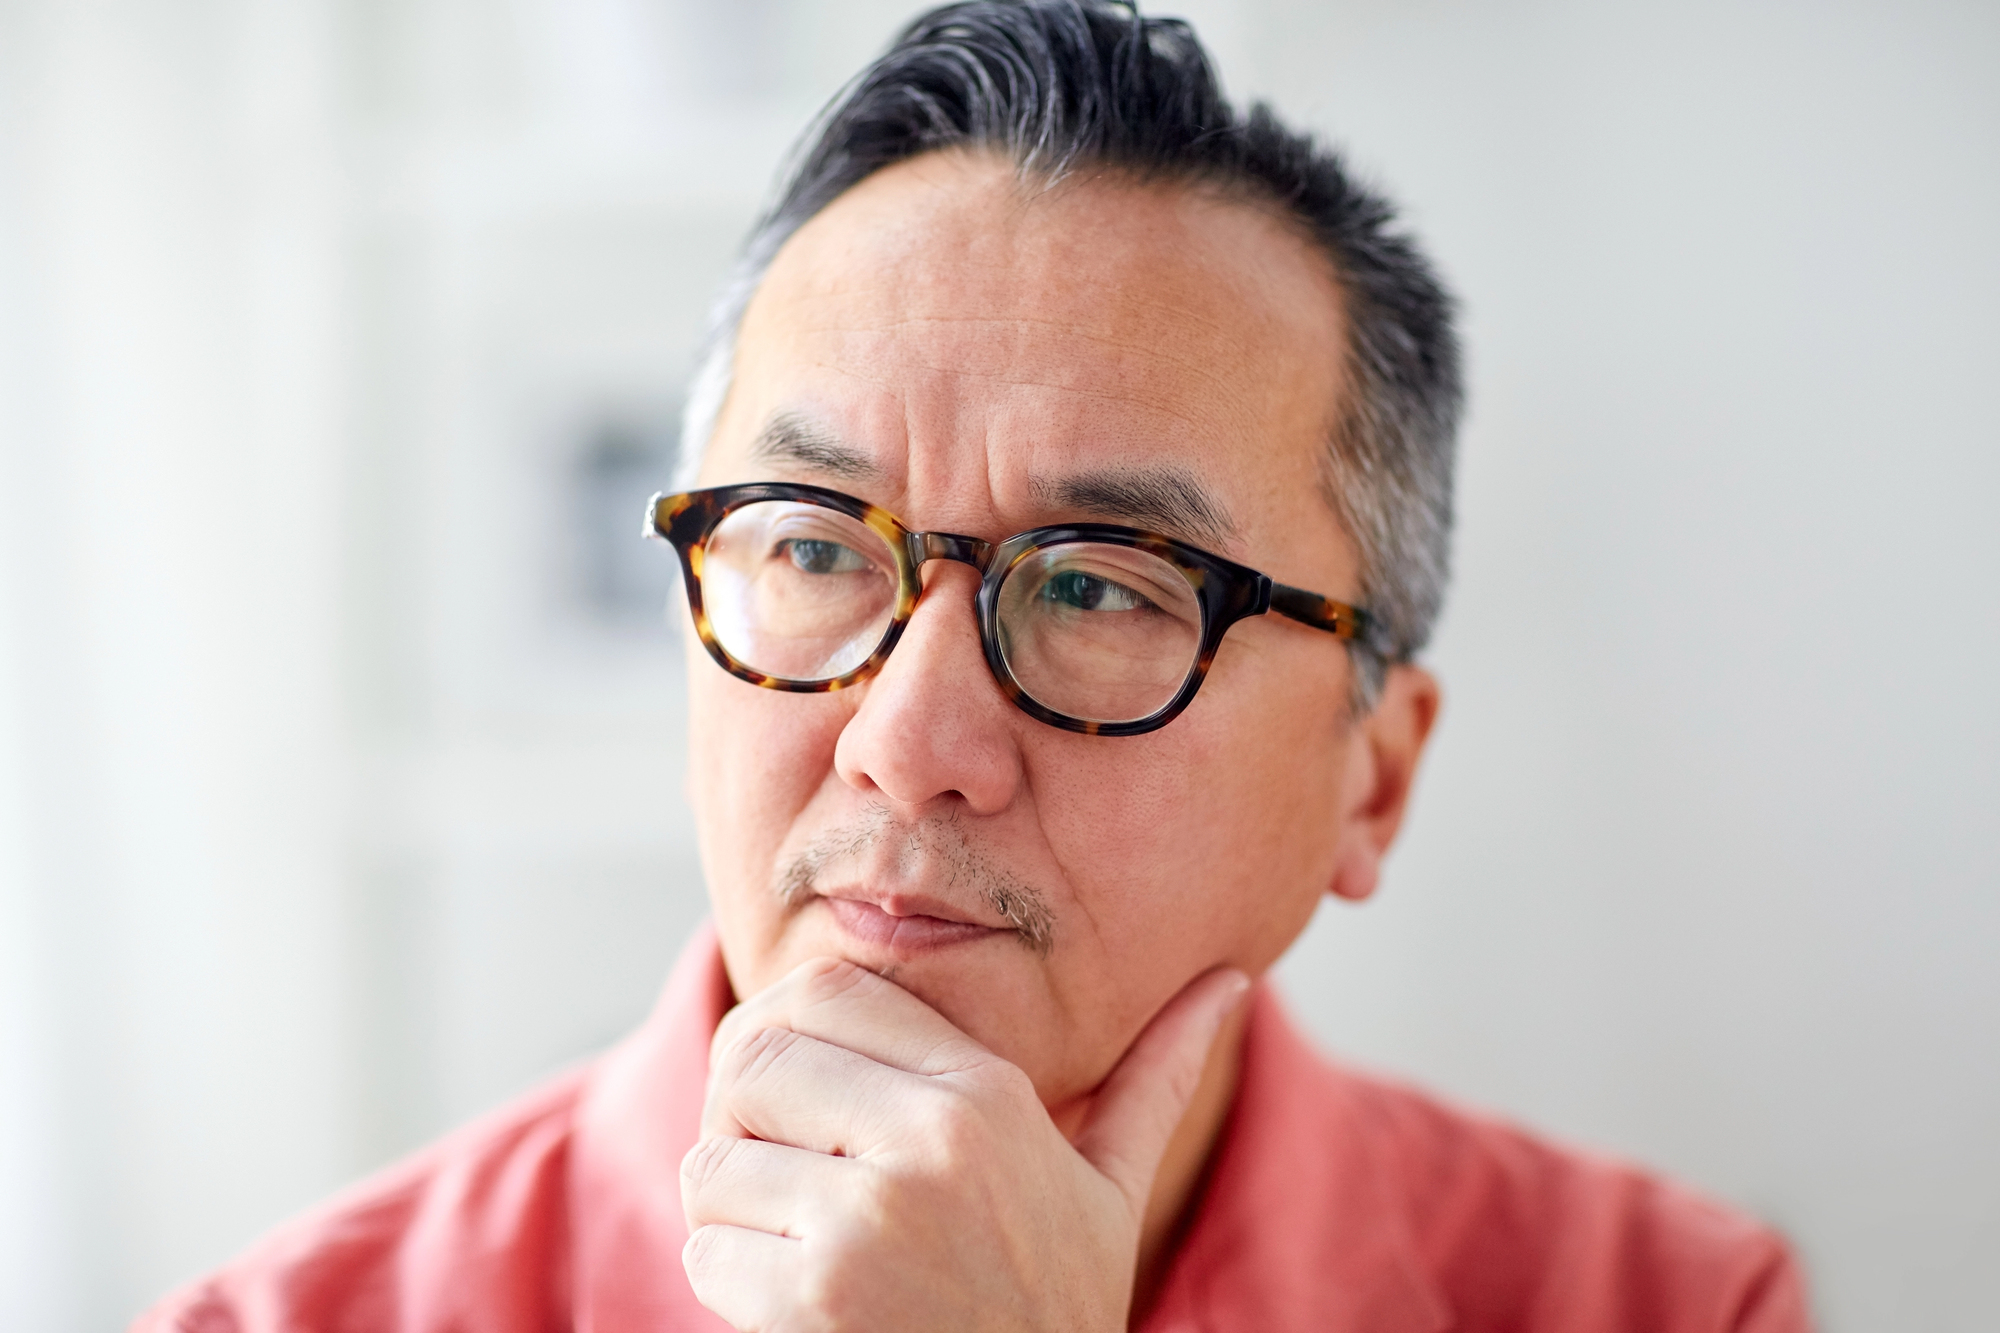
x: 936, y: 842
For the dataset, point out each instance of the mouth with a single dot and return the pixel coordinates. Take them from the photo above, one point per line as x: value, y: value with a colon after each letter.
x: 875, y: 876
x: 907, y: 926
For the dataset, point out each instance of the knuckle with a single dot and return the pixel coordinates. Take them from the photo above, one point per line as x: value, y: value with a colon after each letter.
x: 759, y: 1051
x: 699, y: 1255
x: 874, y: 1202
x: 828, y: 1296
x: 726, y: 1033
x: 707, y: 1161
x: 825, y: 980
x: 951, y: 1123
x: 1008, y: 1082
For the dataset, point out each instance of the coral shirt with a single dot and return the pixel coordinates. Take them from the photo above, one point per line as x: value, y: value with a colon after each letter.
x: 1335, y: 1202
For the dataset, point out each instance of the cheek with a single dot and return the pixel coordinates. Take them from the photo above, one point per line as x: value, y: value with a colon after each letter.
x: 756, y: 758
x: 1208, y: 841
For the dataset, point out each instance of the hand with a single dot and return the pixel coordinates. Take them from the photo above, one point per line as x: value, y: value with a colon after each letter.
x: 866, y: 1165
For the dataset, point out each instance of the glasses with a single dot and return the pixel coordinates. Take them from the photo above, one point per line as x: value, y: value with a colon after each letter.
x: 1089, y: 627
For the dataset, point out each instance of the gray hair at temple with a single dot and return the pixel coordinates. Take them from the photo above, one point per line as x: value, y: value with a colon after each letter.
x: 1058, y: 85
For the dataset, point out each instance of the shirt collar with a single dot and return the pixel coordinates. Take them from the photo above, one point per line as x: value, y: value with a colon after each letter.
x: 637, y: 1117
x: 1299, y: 1227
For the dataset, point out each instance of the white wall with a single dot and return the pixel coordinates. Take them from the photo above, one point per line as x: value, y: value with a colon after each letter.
x: 167, y: 392
x: 333, y: 807
x: 1704, y: 869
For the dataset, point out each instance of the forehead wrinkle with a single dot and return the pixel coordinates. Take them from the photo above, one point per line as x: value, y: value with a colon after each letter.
x: 1179, y: 318
x: 1164, y: 354
x: 1227, y: 387
x: 1127, y: 398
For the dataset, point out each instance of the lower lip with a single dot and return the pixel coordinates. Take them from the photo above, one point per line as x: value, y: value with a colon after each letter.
x: 902, y: 934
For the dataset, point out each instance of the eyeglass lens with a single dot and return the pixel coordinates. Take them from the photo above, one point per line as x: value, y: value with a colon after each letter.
x: 797, y: 591
x: 1095, y: 631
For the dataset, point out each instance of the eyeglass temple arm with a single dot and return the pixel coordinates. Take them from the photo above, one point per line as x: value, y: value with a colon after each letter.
x: 1309, y: 608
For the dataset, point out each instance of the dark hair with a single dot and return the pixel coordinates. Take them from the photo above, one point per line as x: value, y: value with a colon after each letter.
x: 1060, y: 84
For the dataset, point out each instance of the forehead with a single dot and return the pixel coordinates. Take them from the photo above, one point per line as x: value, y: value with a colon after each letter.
x: 979, y: 337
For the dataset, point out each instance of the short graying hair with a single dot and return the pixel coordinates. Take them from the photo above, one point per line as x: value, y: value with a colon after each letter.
x: 1055, y: 85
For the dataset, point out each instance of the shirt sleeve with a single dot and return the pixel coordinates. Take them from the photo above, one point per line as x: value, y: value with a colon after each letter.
x: 1776, y: 1301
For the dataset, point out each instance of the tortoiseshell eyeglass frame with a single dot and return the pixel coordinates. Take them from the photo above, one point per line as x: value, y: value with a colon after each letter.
x: 1227, y: 592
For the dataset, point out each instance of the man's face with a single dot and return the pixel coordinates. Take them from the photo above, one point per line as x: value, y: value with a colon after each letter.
x: 981, y: 359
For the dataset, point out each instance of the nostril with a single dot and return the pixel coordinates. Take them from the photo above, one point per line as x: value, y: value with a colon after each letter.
x: 932, y: 722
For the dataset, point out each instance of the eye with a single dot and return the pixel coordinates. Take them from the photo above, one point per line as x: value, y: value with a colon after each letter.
x: 1088, y: 592
x: 822, y: 557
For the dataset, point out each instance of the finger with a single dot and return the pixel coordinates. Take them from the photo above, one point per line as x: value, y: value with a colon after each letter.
x: 846, y: 1004
x: 764, y: 1186
x: 1140, y: 1105
x: 778, y: 1085
x: 747, y: 1277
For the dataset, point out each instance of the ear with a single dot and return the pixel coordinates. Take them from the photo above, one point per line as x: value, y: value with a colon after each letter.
x: 1381, y: 768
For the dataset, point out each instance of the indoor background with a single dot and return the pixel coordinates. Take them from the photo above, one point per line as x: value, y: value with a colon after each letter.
x: 341, y: 730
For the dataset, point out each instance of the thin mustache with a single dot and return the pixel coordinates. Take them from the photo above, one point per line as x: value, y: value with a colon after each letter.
x: 1021, y: 905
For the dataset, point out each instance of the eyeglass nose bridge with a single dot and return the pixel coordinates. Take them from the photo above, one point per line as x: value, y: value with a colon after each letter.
x: 949, y: 546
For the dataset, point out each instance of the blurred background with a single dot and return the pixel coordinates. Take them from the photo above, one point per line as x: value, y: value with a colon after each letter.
x: 341, y: 734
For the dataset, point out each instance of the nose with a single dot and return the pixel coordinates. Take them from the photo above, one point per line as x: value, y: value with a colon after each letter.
x: 933, y: 724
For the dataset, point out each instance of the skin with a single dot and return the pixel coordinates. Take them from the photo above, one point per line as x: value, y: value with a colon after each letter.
x: 953, y: 1129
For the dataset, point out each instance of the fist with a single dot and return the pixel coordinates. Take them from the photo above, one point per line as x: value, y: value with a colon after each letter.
x: 866, y: 1165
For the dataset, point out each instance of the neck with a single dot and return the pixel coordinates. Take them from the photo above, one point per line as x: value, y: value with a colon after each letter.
x: 1177, y: 1187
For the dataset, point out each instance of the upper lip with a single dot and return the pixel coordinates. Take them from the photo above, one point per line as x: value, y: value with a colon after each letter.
x: 911, y: 904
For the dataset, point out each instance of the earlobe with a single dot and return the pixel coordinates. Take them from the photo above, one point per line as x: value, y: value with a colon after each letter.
x: 1357, y: 875
x: 1389, y: 744
x: 1358, y: 865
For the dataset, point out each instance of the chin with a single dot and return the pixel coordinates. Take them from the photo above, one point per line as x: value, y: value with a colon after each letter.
x: 991, y: 986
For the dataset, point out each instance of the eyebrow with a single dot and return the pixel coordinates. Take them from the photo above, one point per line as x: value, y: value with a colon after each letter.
x: 787, y: 438
x: 1167, y: 499
x: 1170, y: 499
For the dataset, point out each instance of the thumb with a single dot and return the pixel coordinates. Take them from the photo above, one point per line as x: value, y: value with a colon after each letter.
x: 1141, y: 1104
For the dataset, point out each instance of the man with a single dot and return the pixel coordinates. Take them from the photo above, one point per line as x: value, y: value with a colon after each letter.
x: 1067, y: 500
